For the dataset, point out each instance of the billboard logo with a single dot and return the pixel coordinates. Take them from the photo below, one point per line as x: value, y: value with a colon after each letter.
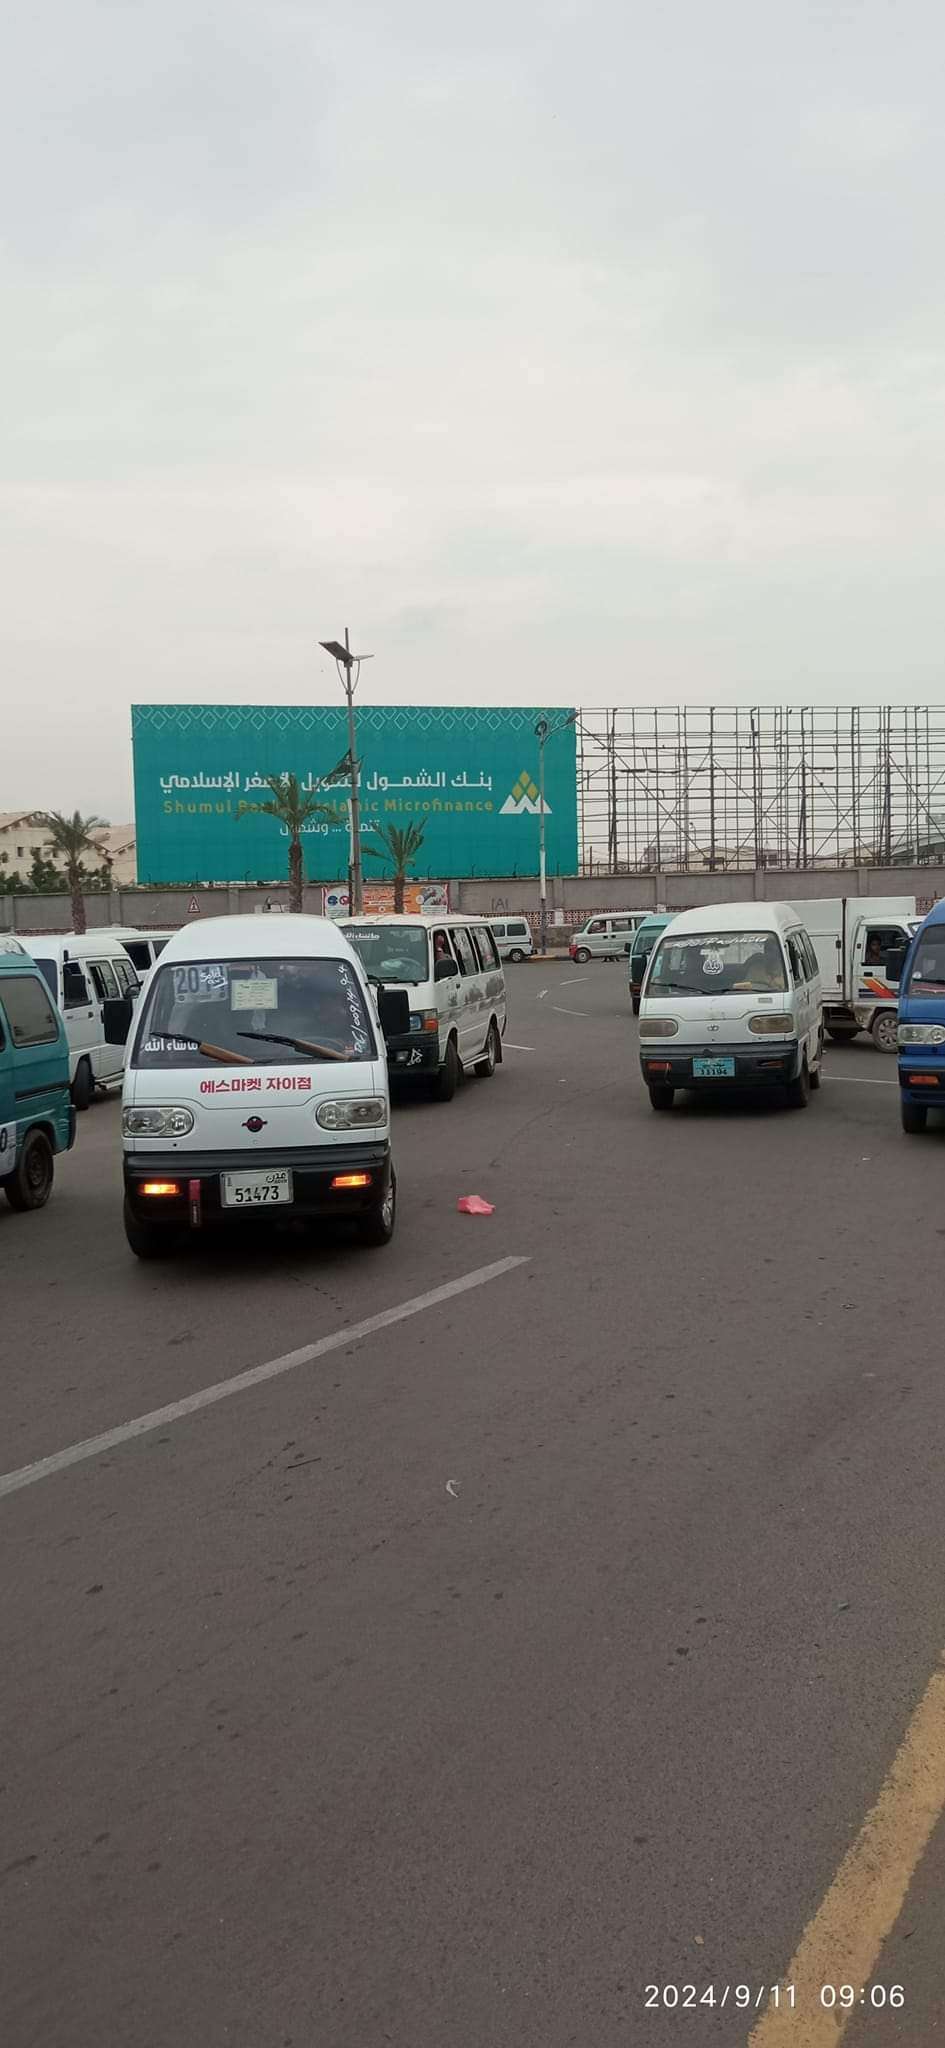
x: 524, y: 800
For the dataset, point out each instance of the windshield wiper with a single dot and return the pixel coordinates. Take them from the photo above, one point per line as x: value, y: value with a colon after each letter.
x: 325, y: 1052
x: 207, y: 1052
x: 687, y: 988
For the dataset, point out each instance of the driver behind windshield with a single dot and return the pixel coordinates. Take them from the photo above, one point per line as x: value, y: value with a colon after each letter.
x: 765, y: 970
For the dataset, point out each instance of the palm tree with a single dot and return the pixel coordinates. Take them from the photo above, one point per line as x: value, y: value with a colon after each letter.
x: 294, y: 808
x: 69, y: 839
x: 401, y: 850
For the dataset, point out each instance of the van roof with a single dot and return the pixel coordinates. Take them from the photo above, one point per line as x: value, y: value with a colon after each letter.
x: 131, y: 931
x: 737, y: 917
x: 417, y: 917
x: 12, y: 954
x: 78, y: 945
x: 258, y: 938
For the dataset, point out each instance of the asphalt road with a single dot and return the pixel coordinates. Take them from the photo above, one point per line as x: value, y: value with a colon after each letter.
x: 454, y: 1686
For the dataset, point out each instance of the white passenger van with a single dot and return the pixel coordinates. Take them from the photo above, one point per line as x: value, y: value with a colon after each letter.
x: 143, y: 946
x: 96, y: 987
x: 606, y: 937
x: 513, y: 936
x: 257, y: 1081
x: 732, y: 998
x: 450, y: 970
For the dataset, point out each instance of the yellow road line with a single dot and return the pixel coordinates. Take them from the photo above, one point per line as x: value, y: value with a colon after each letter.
x: 840, y: 1945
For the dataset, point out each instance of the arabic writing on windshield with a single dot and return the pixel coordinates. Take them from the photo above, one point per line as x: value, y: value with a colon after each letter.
x: 254, y: 1012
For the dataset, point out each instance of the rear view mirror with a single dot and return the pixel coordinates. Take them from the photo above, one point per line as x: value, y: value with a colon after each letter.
x: 894, y: 962
x: 393, y: 1008
x: 116, y: 1018
x: 445, y: 970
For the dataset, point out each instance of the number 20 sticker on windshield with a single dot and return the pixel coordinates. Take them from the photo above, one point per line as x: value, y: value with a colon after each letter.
x: 206, y: 983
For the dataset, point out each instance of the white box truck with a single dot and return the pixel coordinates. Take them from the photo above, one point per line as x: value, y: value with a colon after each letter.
x: 852, y: 936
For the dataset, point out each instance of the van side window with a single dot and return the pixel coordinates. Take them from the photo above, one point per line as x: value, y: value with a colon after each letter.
x: 499, y: 930
x: 798, y: 969
x: 137, y: 951
x: 127, y: 978
x: 75, y: 988
x: 597, y: 925
x: 28, y: 1009
x: 103, y: 978
x: 485, y: 947
x: 810, y: 956
x: 468, y: 964
x: 519, y: 930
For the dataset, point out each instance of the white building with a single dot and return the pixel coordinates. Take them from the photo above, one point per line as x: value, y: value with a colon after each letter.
x: 23, y: 833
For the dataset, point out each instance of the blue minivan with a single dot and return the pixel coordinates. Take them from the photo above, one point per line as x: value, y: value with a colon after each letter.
x: 37, y: 1119
x: 921, y: 1034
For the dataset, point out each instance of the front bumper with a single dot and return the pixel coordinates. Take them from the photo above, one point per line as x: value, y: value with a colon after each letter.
x: 922, y: 1076
x: 770, y: 1066
x: 197, y: 1174
x: 415, y: 1052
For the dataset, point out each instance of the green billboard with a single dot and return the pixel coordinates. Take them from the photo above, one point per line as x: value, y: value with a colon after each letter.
x: 469, y: 776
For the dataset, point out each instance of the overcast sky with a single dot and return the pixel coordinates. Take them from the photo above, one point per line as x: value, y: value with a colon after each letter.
x: 589, y: 350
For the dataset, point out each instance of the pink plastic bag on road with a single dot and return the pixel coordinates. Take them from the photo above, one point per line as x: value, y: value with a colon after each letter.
x: 473, y: 1205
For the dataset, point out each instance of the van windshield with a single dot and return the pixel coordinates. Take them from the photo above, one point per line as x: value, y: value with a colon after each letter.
x: 392, y: 952
x: 927, y: 976
x: 718, y: 964
x: 254, y: 1013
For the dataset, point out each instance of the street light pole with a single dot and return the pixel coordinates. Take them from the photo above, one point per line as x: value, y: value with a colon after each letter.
x: 349, y: 669
x: 357, y: 887
x: 543, y: 732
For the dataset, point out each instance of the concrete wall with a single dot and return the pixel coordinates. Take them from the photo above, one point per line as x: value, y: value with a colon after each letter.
x: 573, y: 897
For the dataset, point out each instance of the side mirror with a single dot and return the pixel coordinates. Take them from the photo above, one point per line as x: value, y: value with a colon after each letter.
x: 894, y: 962
x: 393, y: 1009
x: 117, y: 1013
x: 445, y: 970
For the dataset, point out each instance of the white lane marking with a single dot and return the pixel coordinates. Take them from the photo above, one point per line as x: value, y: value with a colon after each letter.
x: 562, y: 1012
x: 452, y: 1488
x: 509, y: 1047
x: 542, y: 994
x: 93, y: 1446
x: 573, y: 979
x: 862, y: 1080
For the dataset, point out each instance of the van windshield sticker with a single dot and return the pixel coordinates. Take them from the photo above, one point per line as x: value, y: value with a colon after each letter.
x: 359, y: 1037
x: 257, y: 992
x: 206, y: 983
x: 713, y: 963
x: 172, y: 1045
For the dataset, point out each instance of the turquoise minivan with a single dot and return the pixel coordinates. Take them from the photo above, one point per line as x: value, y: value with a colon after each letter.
x: 37, y: 1119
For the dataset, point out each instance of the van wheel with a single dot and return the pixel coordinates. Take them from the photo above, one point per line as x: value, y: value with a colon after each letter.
x: 798, y: 1090
x: 884, y: 1030
x: 913, y: 1116
x: 30, y: 1184
x: 377, y: 1227
x: 83, y: 1087
x: 446, y: 1080
x: 516, y: 954
x: 660, y: 1097
x: 148, y: 1240
x: 485, y: 1068
x: 582, y: 956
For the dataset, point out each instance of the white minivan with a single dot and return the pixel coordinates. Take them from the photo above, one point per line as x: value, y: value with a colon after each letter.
x: 257, y: 1082
x: 732, y: 998
x: 606, y: 937
x: 450, y: 970
x: 513, y: 936
x: 96, y: 987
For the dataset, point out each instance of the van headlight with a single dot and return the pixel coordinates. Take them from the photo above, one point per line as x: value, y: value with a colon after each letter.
x: 921, y: 1034
x: 168, y: 1122
x: 658, y: 1027
x: 352, y: 1113
x: 774, y: 1024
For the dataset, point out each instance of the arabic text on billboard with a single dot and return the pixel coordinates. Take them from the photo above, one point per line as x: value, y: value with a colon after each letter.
x: 468, y: 776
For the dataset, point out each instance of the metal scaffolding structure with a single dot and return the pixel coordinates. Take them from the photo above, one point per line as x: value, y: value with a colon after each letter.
x: 700, y: 790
